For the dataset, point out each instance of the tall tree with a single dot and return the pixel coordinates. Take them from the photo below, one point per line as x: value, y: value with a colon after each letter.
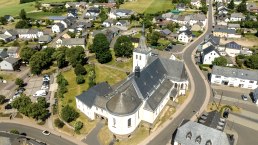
x: 220, y: 61
x: 69, y: 114
x: 79, y: 70
x: 3, y: 21
x: 76, y: 55
x: 23, y: 14
x: 252, y: 61
x: 242, y: 7
x: 101, y: 47
x: 2, y: 99
x: 123, y: 47
x: 19, y: 82
x: 59, y: 56
x: 39, y: 61
x: 154, y: 38
x: 26, y: 53
x: 231, y: 5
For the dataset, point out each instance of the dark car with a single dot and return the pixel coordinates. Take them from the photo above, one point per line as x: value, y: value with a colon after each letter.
x: 226, y: 113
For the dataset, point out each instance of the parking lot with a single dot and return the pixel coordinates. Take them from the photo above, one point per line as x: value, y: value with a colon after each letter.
x: 34, y: 84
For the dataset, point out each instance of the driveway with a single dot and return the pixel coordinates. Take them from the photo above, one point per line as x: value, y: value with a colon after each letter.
x: 92, y: 137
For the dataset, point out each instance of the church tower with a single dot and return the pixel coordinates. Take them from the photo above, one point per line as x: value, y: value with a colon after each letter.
x: 141, y: 53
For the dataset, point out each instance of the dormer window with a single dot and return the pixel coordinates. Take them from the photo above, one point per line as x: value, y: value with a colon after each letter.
x: 198, y: 139
x: 208, y: 142
x: 189, y: 135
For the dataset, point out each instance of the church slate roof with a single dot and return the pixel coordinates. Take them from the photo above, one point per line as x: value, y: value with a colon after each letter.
x: 90, y: 96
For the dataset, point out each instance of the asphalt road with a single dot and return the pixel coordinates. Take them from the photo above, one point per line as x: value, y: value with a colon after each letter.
x: 246, y: 136
x: 199, y: 94
x: 35, y: 133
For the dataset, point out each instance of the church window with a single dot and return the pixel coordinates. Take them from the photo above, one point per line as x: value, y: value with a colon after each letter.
x: 129, y: 122
x: 114, y: 122
x: 198, y: 139
x: 140, y: 57
x: 136, y: 56
x: 189, y: 135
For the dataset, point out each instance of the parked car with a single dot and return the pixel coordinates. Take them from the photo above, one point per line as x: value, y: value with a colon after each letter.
x: 20, y: 90
x: 46, y: 78
x: 45, y: 132
x: 45, y: 85
x: 244, y: 97
x: 40, y: 93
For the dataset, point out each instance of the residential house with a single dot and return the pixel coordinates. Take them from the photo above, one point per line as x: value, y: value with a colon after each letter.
x: 123, y: 24
x: 80, y: 26
x: 120, y: 13
x: 234, y: 77
x: 11, y: 52
x: 209, y: 54
x: 92, y: 13
x: 69, y: 21
x: 233, y: 49
x: 181, y: 7
x: 141, y: 97
x: 8, y: 18
x: 183, y: 28
x: 10, y: 64
x: 252, y: 7
x: 223, y: 31
x: 165, y: 32
x: 196, y: 3
x: 72, y: 42
x: 72, y: 12
x: 6, y: 38
x: 108, y: 23
x: 235, y: 17
x: 3, y: 53
x: 210, y: 40
x: 197, y: 27
x: 167, y: 16
x: 80, y: 5
x: 195, y: 18
x: 185, y: 36
x: 29, y: 33
x: 223, y: 10
x: 12, y: 33
x: 234, y: 26
x: 44, y: 39
x: 57, y: 28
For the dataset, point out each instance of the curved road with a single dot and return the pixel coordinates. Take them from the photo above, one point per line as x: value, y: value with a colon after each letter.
x: 199, y: 93
x: 36, y: 133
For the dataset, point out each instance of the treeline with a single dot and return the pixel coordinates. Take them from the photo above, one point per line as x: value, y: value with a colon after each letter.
x: 26, y: 1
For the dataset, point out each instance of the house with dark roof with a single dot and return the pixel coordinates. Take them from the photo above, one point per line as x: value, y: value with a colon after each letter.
x: 210, y: 40
x: 69, y: 21
x: 57, y: 28
x: 193, y: 133
x: 44, y: 39
x: 233, y: 49
x: 108, y: 23
x: 8, y: 18
x: 235, y: 17
x: 120, y: 13
x: 92, y: 13
x: 71, y: 42
x: 185, y: 36
x: 11, y: 51
x: 140, y: 97
x: 72, y: 12
x: 234, y: 77
x: 10, y: 64
x: 3, y: 53
x: 209, y: 54
x: 165, y: 32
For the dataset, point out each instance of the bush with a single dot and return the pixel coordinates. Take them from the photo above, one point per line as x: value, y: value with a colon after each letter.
x: 79, y: 70
x: 58, y: 123
x: 14, y: 131
x: 80, y: 79
x: 78, y: 126
x: 19, y: 82
x: 69, y: 114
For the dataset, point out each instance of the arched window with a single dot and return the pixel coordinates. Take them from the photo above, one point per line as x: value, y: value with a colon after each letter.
x: 208, y: 142
x: 129, y: 122
x: 189, y: 135
x: 175, y: 85
x: 182, y: 86
x: 198, y: 139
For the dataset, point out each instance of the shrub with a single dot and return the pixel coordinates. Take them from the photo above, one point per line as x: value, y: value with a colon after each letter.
x: 80, y: 79
x: 69, y: 114
x: 14, y: 131
x: 19, y: 82
x: 78, y: 126
x: 2, y: 99
x: 58, y: 123
x: 79, y: 70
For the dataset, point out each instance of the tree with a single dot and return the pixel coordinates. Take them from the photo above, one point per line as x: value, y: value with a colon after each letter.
x: 154, y: 38
x: 101, y: 47
x: 76, y: 55
x: 78, y: 126
x: 2, y: 99
x: 26, y: 53
x: 42, y: 102
x: 79, y: 70
x: 71, y: 34
x: 59, y: 56
x: 58, y: 123
x: 104, y: 56
x: 16, y: 43
x: 19, y: 82
x: 69, y: 114
x: 37, y: 5
x: 3, y: 21
x: 22, y: 24
x: 220, y: 61
x: 39, y: 61
x: 37, y: 111
x: 204, y: 9
x: 23, y: 14
x: 252, y: 61
x: 22, y: 103
x: 242, y: 7
x: 231, y: 5
x: 103, y: 16
x: 172, y: 26
x: 123, y: 47
x: 80, y: 79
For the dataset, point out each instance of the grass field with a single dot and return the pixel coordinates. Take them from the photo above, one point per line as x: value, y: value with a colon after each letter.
x: 148, y: 6
x: 12, y: 7
x: 42, y: 15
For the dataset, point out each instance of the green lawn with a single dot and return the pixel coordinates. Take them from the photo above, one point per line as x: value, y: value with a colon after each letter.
x: 42, y: 15
x: 12, y: 7
x: 148, y: 6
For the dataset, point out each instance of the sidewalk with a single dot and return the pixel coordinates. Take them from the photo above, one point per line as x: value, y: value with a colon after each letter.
x: 34, y: 125
x: 233, y: 100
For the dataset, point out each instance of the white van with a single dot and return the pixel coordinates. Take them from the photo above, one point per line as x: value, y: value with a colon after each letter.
x: 40, y: 93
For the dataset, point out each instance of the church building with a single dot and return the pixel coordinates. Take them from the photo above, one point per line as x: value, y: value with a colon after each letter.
x: 139, y: 98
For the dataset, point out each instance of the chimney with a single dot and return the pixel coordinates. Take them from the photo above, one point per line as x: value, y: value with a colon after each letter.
x: 137, y: 71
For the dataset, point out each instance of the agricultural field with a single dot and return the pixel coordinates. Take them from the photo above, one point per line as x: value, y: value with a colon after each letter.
x: 12, y: 7
x: 148, y: 6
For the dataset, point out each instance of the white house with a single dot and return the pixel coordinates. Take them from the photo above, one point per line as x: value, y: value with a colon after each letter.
x: 69, y: 21
x: 29, y: 33
x: 209, y: 54
x: 185, y: 36
x: 71, y: 42
x: 233, y: 49
x: 57, y: 28
x: 92, y: 13
x: 120, y: 13
x: 9, y: 64
x: 235, y: 17
x: 234, y: 77
x: 44, y: 39
x: 195, y: 18
x: 141, y: 97
x: 108, y: 23
x: 196, y: 3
